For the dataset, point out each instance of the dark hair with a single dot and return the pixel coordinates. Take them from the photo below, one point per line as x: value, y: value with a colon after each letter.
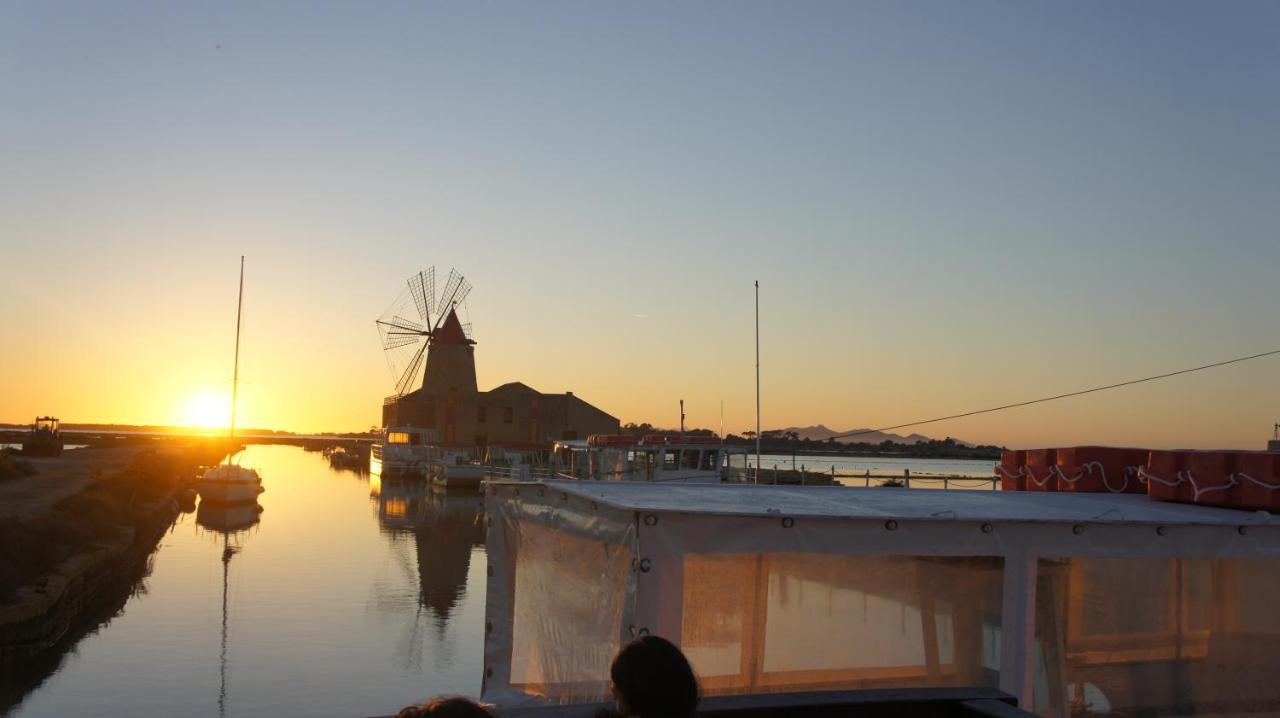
x: 652, y: 678
x: 446, y: 708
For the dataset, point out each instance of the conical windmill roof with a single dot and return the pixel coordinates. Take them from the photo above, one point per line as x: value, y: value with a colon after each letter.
x: 451, y: 331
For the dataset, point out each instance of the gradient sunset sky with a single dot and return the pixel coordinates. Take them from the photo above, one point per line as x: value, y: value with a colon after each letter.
x: 948, y: 206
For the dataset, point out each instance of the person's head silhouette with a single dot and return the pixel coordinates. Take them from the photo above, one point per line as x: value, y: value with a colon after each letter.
x: 652, y: 679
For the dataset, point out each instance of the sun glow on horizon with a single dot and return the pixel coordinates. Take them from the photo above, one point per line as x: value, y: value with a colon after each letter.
x: 205, y: 410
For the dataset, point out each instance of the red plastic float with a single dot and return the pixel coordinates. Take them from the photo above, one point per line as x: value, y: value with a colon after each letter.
x: 1011, y: 470
x: 1100, y: 469
x: 1041, y: 469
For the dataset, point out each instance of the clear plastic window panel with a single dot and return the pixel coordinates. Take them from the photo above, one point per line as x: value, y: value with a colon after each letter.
x: 1146, y: 636
x: 570, y: 593
x: 784, y: 622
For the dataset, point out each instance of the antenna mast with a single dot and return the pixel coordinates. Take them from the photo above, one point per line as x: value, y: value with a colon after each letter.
x: 235, y: 374
x: 757, y: 381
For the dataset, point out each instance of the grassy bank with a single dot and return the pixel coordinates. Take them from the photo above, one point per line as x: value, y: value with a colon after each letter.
x: 33, y: 547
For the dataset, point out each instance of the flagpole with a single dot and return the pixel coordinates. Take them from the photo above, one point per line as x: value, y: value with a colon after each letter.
x: 757, y: 381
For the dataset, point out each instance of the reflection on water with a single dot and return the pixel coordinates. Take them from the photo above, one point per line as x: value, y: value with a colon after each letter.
x: 330, y: 608
x: 227, y: 520
x: 436, y: 533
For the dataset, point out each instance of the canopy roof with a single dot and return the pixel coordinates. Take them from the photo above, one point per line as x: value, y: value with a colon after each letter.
x: 906, y: 504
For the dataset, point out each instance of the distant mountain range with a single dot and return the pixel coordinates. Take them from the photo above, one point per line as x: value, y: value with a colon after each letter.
x: 822, y: 433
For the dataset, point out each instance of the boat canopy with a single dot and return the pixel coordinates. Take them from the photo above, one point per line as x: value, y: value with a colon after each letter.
x: 1071, y: 602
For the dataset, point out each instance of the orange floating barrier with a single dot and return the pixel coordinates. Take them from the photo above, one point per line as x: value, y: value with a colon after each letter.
x: 1210, y: 477
x: 1163, y: 476
x: 1042, y: 469
x: 1010, y: 470
x: 1257, y: 476
x: 1100, y: 469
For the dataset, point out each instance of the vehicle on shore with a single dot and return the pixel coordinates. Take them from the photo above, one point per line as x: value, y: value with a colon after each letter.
x: 44, y: 439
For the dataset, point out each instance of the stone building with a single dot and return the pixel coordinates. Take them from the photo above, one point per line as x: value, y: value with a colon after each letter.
x: 512, y: 415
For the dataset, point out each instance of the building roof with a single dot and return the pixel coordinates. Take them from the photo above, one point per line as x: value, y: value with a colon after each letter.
x: 513, y: 387
x: 905, y: 504
x: 451, y: 331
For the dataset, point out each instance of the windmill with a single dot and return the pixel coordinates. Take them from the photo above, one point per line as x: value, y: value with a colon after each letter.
x: 410, y: 325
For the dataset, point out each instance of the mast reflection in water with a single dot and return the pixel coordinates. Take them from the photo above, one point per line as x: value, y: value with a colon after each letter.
x: 228, y: 520
x: 331, y: 608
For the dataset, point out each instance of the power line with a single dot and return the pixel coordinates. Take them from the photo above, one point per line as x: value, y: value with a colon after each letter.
x: 1059, y: 396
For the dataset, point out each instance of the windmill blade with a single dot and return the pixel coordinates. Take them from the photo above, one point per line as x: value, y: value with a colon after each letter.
x: 402, y: 338
x: 410, y: 374
x: 455, y: 292
x: 404, y: 325
x: 422, y: 287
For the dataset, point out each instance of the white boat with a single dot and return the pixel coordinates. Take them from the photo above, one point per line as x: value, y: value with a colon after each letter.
x: 228, y: 482
x: 405, y: 451
x: 456, y: 470
x: 663, y: 458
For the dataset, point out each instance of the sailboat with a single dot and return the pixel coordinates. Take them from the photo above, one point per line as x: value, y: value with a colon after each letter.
x: 228, y: 482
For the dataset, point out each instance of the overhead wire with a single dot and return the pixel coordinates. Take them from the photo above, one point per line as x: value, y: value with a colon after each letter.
x: 1068, y: 395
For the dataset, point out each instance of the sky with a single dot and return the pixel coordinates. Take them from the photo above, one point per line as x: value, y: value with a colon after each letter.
x: 948, y: 206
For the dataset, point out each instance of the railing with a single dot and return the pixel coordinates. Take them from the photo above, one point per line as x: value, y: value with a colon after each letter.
x: 776, y: 476
x: 804, y: 476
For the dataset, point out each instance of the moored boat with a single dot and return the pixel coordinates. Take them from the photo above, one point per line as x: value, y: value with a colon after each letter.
x: 667, y: 458
x: 228, y: 482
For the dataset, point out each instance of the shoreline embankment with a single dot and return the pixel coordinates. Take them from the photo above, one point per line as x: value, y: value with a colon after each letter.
x: 81, y: 537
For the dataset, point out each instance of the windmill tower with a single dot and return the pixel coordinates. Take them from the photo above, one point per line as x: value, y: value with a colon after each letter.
x: 422, y: 328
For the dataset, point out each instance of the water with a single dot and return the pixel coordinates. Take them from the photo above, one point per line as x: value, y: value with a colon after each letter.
x: 980, y: 468
x: 65, y: 447
x: 345, y: 598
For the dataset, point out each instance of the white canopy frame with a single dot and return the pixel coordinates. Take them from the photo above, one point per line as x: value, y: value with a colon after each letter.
x: 660, y: 528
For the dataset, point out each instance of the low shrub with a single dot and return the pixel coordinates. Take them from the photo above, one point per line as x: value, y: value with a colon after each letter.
x: 11, y: 467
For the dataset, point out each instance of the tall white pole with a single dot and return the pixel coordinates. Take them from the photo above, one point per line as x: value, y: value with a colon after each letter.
x: 235, y: 374
x: 757, y: 381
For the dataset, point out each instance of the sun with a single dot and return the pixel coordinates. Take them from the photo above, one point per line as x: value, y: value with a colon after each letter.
x: 205, y: 411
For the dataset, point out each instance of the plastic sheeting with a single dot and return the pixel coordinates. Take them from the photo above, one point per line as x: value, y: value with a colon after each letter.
x: 787, y: 622
x: 565, y: 580
x: 1157, y: 637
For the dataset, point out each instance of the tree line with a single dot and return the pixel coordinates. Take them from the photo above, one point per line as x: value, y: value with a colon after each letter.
x: 789, y: 442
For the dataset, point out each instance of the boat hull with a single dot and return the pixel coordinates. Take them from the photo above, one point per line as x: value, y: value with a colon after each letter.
x: 458, y: 477
x: 228, y: 492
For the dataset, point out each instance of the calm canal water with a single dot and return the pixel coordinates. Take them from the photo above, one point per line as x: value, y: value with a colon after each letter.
x: 346, y: 598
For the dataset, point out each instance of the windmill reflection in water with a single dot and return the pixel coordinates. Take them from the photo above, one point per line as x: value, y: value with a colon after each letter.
x: 432, y: 535
x: 230, y: 520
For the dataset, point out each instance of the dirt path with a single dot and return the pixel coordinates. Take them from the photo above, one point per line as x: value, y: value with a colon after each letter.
x: 58, y: 478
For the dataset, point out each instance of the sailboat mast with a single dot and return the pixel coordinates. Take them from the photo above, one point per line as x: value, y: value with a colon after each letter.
x: 235, y: 375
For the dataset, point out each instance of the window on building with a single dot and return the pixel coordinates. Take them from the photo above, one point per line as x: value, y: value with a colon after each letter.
x: 670, y: 460
x: 482, y: 414
x: 508, y: 415
x: 709, y: 462
x: 690, y: 459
